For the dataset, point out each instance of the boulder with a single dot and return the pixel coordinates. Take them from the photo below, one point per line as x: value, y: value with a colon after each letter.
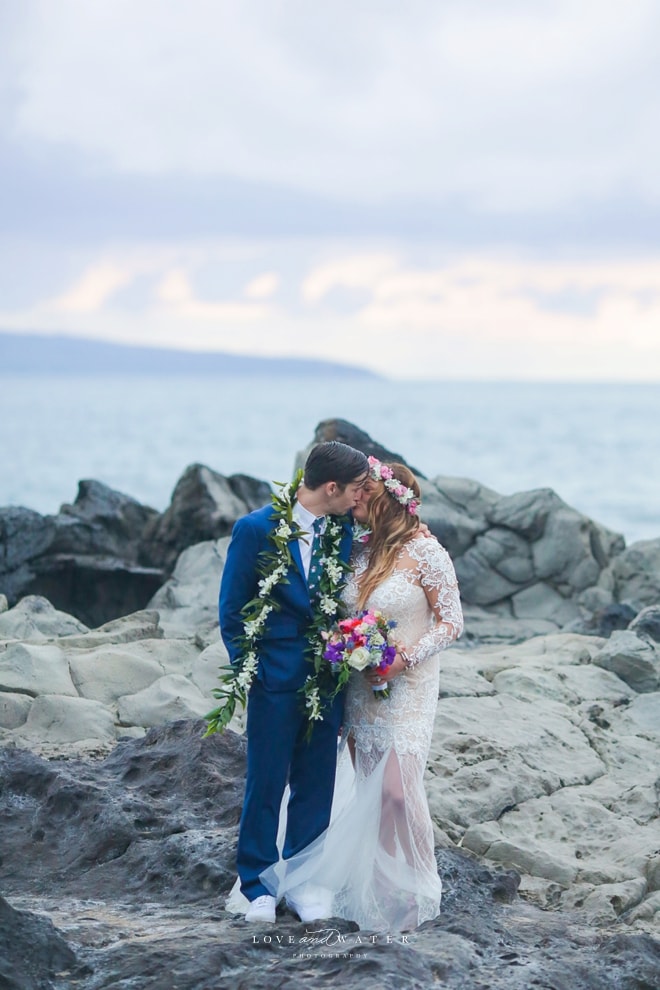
x: 345, y: 432
x: 63, y: 719
x: 84, y: 560
x: 204, y: 506
x: 646, y: 623
x: 4, y: 604
x: 541, y: 601
x: 140, y: 625
x: 606, y: 616
x: 530, y: 550
x: 33, y: 954
x: 24, y: 534
x: 188, y: 602
x: 35, y: 669
x: 34, y: 619
x: 96, y: 589
x: 206, y: 669
x: 101, y: 521
x: 108, y: 673
x: 460, y: 676
x: 168, y: 698
x: 175, y: 656
x: 467, y: 495
x: 565, y: 552
x: 14, y: 709
x: 634, y: 660
x: 636, y: 574
x: 546, y: 652
x: 455, y: 529
x: 526, y: 513
x: 480, y: 582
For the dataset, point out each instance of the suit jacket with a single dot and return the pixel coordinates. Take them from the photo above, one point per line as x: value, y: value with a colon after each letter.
x: 285, y: 637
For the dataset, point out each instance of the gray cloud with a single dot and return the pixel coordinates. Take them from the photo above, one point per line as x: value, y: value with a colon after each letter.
x: 141, y: 141
x: 514, y: 108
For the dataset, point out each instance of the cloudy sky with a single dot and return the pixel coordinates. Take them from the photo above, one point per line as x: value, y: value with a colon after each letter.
x: 436, y: 189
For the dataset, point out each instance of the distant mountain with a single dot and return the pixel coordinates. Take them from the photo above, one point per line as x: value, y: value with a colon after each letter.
x: 42, y: 354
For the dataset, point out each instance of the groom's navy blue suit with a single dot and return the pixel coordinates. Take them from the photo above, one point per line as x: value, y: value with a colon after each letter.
x: 278, y: 750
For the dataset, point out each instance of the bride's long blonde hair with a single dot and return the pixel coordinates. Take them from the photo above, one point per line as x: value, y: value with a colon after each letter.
x: 391, y: 526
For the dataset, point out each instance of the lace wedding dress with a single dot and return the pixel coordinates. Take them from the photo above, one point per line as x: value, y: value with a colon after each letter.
x: 376, y: 859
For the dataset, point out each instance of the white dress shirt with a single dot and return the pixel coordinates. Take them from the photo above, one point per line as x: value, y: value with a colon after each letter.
x: 305, y: 519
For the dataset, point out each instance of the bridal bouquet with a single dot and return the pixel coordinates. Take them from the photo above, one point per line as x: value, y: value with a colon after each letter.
x: 361, y: 642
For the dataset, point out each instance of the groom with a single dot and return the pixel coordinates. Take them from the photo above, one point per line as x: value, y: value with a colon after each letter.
x: 279, y: 750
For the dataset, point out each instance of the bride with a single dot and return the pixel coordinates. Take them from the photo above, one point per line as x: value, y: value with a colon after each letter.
x: 375, y: 863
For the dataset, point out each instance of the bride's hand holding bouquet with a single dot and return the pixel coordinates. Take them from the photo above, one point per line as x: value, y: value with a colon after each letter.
x: 363, y: 642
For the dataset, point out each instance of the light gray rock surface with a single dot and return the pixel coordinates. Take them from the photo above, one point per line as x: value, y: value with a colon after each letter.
x: 109, y: 673
x: 544, y: 758
x: 556, y: 773
x: 127, y: 629
x: 188, y: 602
x: 34, y: 619
x: 206, y: 667
x: 169, y: 698
x: 101, y: 667
x: 14, y: 709
x: 62, y: 719
x: 35, y: 669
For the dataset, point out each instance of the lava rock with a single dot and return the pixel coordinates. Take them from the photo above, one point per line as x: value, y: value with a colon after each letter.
x: 83, y: 560
x: 204, y: 506
x: 157, y: 816
x: 32, y: 953
x: 345, y: 432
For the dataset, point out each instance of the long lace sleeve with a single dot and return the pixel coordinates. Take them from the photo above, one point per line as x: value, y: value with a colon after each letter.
x: 438, y: 579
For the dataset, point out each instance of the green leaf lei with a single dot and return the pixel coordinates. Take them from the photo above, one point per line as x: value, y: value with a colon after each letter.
x: 272, y: 567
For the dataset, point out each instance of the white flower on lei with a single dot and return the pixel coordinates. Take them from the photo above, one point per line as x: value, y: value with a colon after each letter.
x: 313, y: 705
x: 283, y: 529
x: 333, y: 570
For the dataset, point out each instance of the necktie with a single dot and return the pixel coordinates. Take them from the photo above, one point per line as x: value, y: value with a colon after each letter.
x: 315, y: 565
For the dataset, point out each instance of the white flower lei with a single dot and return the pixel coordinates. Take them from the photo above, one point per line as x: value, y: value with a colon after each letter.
x: 237, y: 678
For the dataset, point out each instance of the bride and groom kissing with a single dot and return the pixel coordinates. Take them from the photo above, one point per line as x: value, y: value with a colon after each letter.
x: 368, y: 855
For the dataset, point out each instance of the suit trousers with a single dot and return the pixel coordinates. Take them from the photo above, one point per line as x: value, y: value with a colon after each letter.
x: 278, y: 753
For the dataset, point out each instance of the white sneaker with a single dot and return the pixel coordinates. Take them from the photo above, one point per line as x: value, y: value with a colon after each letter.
x: 313, y: 904
x: 261, y: 909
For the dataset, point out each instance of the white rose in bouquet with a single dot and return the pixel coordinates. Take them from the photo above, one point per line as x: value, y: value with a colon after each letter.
x: 360, y: 658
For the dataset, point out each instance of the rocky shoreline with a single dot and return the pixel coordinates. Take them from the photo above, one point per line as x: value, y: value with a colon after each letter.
x: 119, y: 822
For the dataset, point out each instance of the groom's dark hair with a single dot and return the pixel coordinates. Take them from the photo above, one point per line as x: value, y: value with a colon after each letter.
x: 334, y: 461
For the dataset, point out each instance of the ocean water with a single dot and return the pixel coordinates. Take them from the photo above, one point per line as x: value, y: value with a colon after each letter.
x: 596, y: 445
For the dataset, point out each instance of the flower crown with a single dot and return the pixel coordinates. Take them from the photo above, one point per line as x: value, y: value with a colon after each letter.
x: 403, y: 495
